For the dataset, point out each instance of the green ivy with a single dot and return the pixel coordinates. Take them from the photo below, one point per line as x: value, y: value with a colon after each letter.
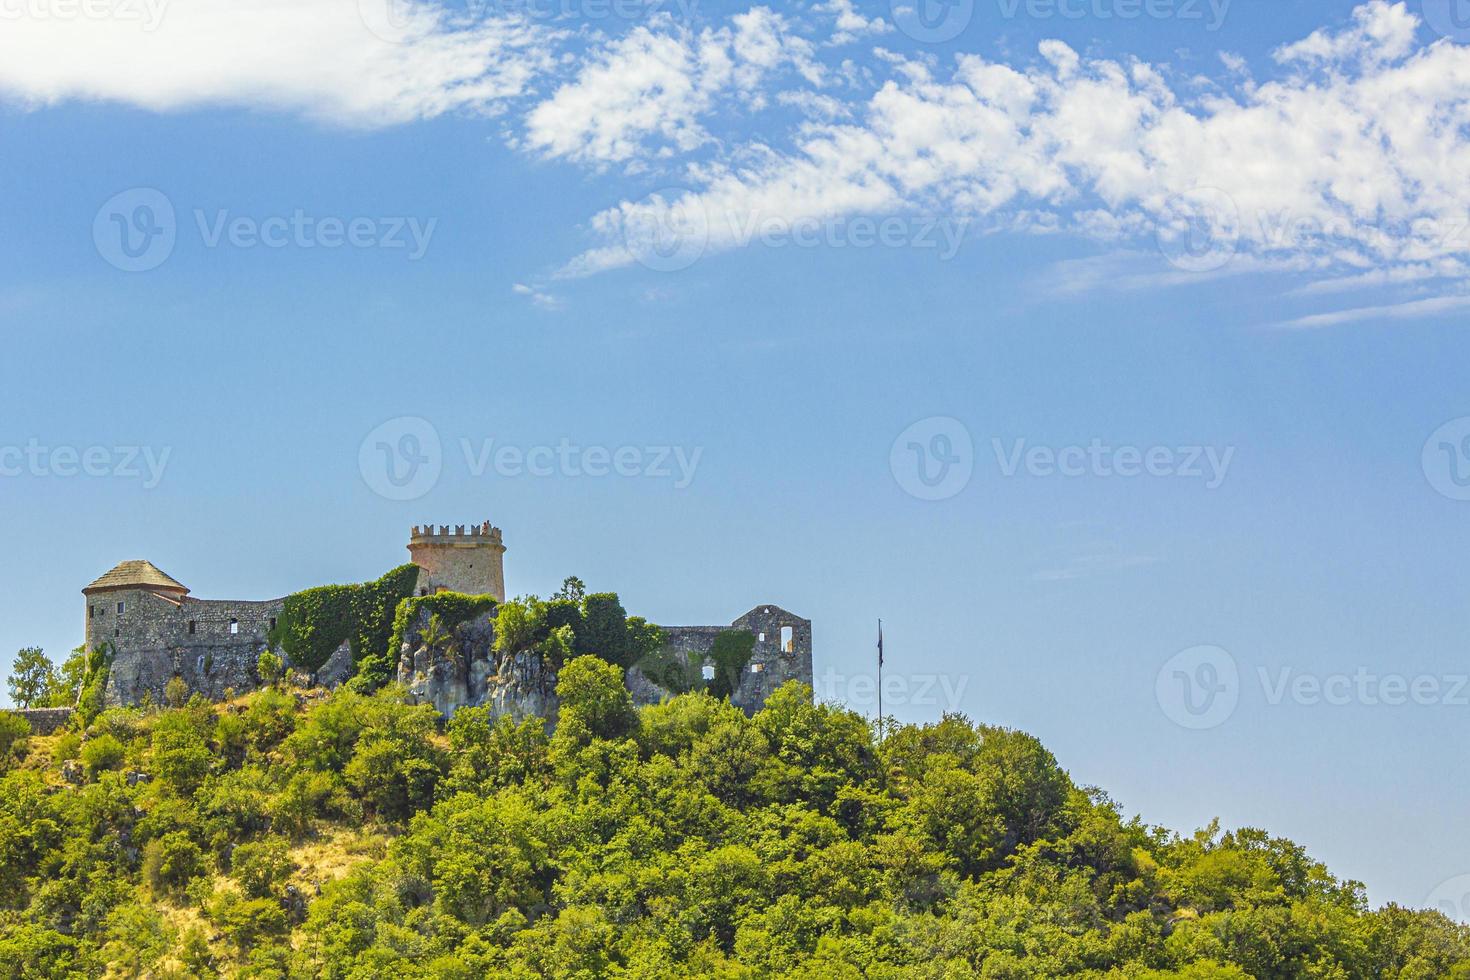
x: 452, y: 608
x: 94, y: 683
x: 731, y: 653
x: 314, y: 623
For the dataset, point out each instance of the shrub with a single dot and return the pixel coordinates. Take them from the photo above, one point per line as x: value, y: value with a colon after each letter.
x: 170, y: 861
x: 260, y: 866
x: 269, y: 667
x: 14, y: 730
x: 102, y: 753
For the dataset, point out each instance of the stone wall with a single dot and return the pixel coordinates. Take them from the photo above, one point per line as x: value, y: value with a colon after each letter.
x: 782, y: 652
x: 45, y: 721
x: 212, y: 645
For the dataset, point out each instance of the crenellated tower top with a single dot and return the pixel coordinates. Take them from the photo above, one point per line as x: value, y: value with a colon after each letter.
x: 462, y: 558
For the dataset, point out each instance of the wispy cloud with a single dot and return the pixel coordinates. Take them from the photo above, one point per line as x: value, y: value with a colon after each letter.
x: 1409, y: 310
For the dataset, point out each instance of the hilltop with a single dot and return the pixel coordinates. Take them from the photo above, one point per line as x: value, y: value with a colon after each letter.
x: 294, y: 833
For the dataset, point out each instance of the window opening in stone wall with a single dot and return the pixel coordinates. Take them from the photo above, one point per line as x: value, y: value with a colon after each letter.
x: 193, y: 626
x: 93, y: 612
x: 234, y: 626
x: 199, y: 664
x: 786, y: 639
x: 122, y: 607
x: 763, y: 637
x: 273, y: 622
x: 708, y: 672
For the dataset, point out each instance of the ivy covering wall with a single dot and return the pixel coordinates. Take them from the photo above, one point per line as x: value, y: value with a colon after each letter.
x: 452, y: 608
x: 314, y: 623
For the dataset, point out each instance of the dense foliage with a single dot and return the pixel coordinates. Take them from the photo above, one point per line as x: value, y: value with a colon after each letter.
x: 353, y: 836
x: 314, y: 623
x: 572, y: 624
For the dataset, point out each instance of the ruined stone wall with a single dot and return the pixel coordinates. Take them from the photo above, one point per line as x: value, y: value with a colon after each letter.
x: 45, y: 721
x: 776, y: 656
x: 213, y: 645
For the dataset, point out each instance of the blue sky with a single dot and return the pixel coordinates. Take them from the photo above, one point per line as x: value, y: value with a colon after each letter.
x: 788, y: 246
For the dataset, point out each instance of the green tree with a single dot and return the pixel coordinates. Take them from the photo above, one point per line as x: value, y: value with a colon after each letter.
x: 14, y: 730
x: 605, y: 629
x: 519, y: 623
x: 32, y: 677
x: 572, y: 590
x: 270, y: 668
x: 594, y: 698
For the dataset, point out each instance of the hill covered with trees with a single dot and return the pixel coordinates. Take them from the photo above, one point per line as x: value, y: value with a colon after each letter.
x: 352, y: 835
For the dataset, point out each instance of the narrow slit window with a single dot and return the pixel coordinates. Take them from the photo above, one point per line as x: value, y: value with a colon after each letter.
x: 193, y: 627
x: 234, y: 626
x: 122, y: 607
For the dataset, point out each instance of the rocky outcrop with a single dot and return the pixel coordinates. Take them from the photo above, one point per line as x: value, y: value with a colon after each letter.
x: 459, y: 667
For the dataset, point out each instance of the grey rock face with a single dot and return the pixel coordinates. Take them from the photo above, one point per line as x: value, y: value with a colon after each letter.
x: 463, y: 669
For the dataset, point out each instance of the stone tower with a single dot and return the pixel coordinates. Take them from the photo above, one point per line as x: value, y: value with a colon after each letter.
x: 469, y: 561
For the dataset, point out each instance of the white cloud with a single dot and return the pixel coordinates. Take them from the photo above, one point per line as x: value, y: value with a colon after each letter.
x: 337, y: 60
x: 1343, y: 174
x: 849, y: 25
x: 545, y: 300
x: 1348, y: 164
x: 647, y: 92
x: 1411, y: 310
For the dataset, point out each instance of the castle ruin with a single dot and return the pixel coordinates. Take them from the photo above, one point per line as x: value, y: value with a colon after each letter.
x: 157, y: 630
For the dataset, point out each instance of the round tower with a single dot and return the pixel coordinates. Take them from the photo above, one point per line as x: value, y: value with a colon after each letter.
x: 459, y: 560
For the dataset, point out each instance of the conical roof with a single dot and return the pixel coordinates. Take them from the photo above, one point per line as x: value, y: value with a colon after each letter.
x: 136, y: 575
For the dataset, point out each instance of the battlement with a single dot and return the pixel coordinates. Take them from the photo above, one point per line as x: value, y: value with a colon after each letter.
x: 459, y: 534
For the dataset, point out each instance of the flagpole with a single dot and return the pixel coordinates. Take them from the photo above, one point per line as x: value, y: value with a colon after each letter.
x: 880, y: 680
